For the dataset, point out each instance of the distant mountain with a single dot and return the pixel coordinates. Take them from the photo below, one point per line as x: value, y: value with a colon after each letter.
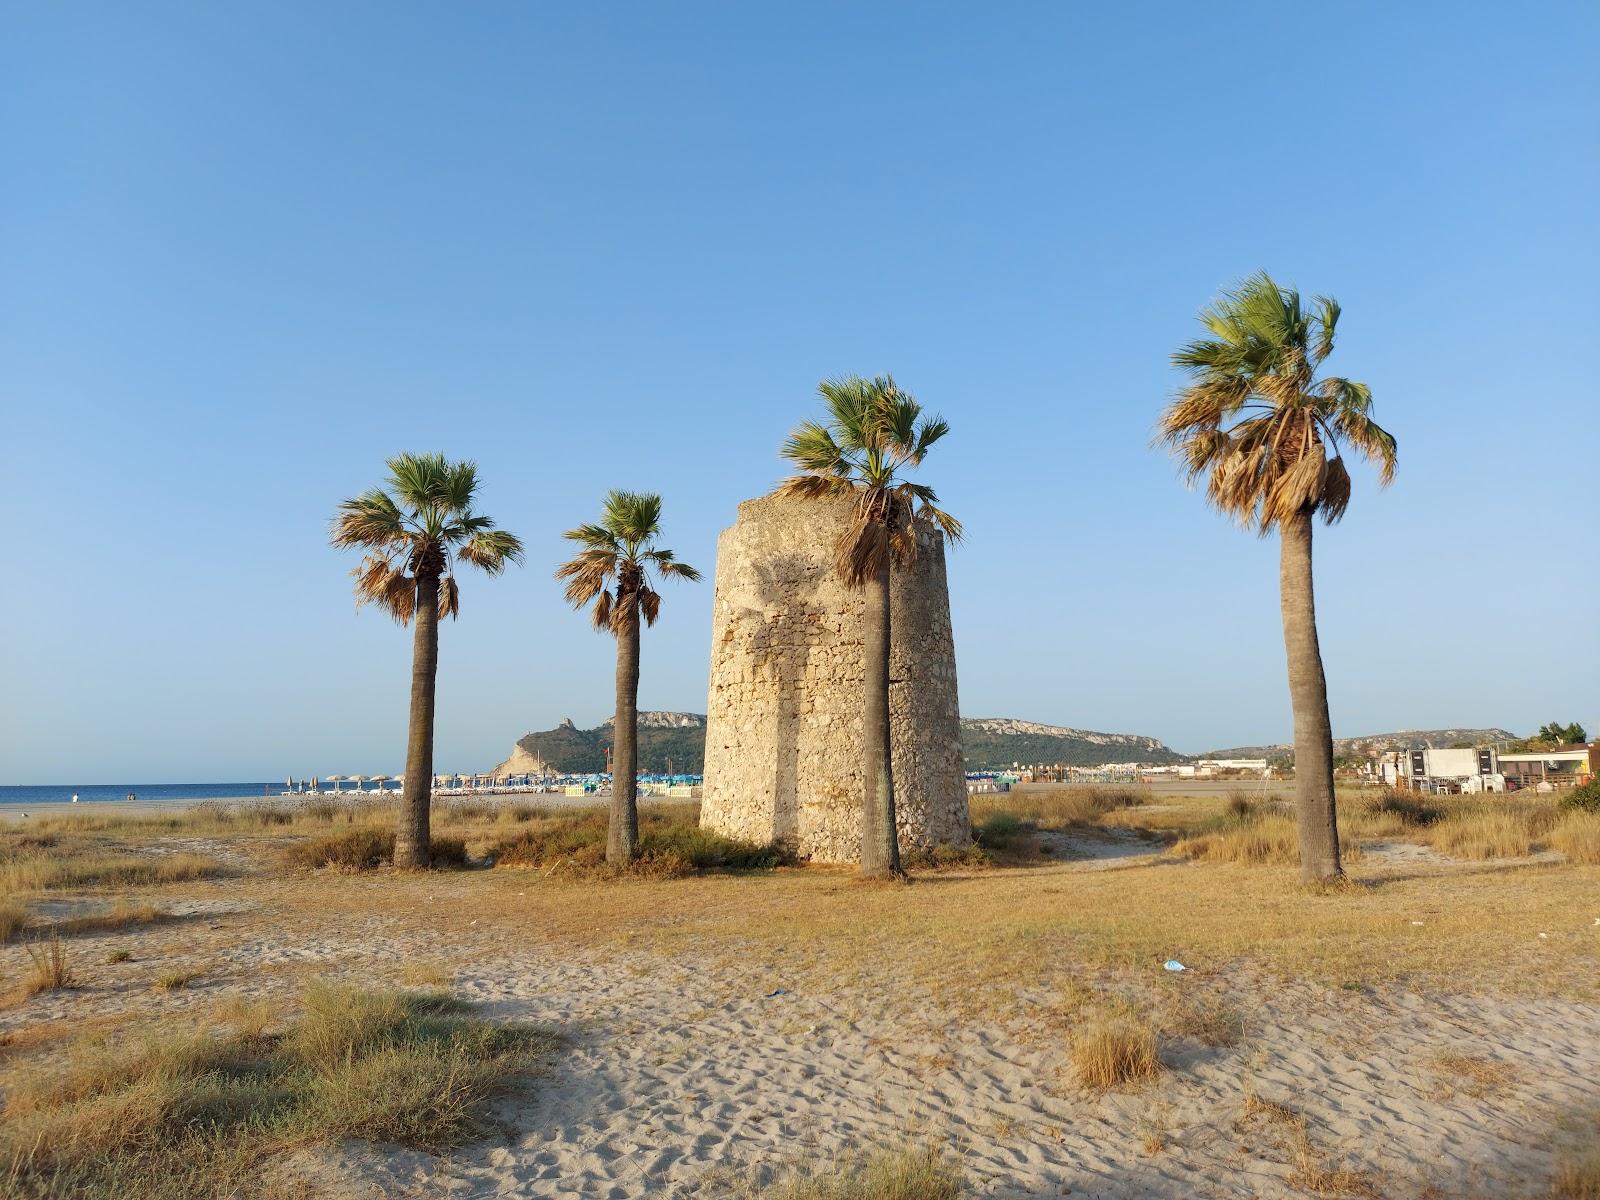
x: 667, y: 740
x: 680, y: 739
x: 1375, y: 743
x: 1000, y: 741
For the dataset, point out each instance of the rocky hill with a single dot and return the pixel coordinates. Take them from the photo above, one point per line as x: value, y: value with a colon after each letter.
x: 1375, y: 743
x: 679, y: 739
x: 667, y: 741
x: 1001, y: 741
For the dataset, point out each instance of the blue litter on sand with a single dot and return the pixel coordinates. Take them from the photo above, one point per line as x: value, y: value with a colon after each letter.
x: 778, y: 992
x: 1173, y: 964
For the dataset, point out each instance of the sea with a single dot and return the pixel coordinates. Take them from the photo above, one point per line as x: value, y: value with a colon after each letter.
x: 57, y: 793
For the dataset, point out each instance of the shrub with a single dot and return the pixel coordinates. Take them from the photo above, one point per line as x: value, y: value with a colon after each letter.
x: 1585, y: 798
x: 1112, y: 1050
x: 1242, y: 805
x: 668, y: 847
x: 355, y: 850
x: 1410, y: 810
x: 176, y: 981
x: 365, y: 849
x: 944, y: 857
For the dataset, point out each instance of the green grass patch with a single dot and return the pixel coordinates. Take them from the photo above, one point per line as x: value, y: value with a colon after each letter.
x: 196, y: 1113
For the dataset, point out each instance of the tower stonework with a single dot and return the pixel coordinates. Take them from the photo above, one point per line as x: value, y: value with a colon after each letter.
x: 784, y: 716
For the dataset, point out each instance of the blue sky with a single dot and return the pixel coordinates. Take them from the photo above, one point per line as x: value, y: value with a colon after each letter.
x: 249, y: 251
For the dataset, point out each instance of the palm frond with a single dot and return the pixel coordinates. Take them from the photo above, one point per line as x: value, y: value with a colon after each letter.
x: 370, y: 520
x: 1256, y: 421
x: 449, y: 598
x: 491, y: 550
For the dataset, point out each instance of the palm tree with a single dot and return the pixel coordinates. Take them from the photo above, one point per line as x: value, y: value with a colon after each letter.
x: 622, y: 547
x: 873, y: 432
x: 412, y: 531
x: 1267, y: 432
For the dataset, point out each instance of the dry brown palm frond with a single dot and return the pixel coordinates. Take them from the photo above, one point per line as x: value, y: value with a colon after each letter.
x: 1257, y: 420
x: 649, y: 604
x: 602, y: 610
x: 449, y: 598
x: 813, y: 487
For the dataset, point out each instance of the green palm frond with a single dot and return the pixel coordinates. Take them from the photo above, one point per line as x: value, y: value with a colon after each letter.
x: 412, y: 531
x: 873, y: 431
x: 1255, y: 419
x: 620, y: 546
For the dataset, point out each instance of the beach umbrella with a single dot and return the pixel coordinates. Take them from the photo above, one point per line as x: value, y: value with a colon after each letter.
x: 334, y: 779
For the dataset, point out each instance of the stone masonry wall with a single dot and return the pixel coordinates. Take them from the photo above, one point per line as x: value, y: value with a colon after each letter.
x: 784, y: 716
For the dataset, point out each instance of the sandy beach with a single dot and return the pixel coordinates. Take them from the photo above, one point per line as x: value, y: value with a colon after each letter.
x: 717, y: 1030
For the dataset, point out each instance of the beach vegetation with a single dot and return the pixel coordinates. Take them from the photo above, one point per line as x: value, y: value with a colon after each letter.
x: 1112, y: 1049
x: 610, y: 575
x: 48, y: 970
x: 1585, y: 797
x: 197, y: 1112
x: 874, y: 432
x: 921, y: 1172
x: 670, y: 844
x: 1577, y: 835
x: 366, y: 848
x: 1266, y: 432
x: 413, y: 533
x: 13, y: 920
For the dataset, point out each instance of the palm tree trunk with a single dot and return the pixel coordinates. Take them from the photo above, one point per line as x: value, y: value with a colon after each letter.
x: 622, y: 839
x: 1308, y: 693
x: 412, y: 839
x: 880, y: 844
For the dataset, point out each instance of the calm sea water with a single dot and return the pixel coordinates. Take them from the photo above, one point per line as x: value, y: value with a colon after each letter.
x: 54, y: 793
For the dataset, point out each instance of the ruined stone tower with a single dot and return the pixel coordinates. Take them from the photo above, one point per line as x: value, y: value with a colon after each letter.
x: 784, y: 717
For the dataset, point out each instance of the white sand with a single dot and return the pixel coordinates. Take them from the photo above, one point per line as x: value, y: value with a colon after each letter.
x: 677, y: 1070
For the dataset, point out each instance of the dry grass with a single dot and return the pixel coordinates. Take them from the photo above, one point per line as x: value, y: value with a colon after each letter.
x: 1483, y: 834
x: 1312, y: 1172
x: 123, y: 914
x: 47, y: 868
x: 195, y: 1113
x: 671, y: 845
x: 1577, y: 835
x: 366, y: 849
x: 175, y: 981
x: 1114, y: 1049
x: 47, y: 967
x: 1055, y: 808
x: 1471, y: 1075
x: 13, y: 920
x: 920, y: 1173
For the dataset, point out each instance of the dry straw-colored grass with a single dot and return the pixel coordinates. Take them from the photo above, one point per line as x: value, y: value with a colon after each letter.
x: 50, y: 868
x: 1577, y: 835
x: 48, y: 969
x: 918, y: 1173
x: 1110, y: 1050
x: 195, y: 1112
x: 13, y: 920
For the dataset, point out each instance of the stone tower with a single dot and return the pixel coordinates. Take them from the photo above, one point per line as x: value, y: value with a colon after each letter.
x: 784, y: 717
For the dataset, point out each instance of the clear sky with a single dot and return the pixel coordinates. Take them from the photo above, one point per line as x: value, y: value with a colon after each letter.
x: 247, y: 251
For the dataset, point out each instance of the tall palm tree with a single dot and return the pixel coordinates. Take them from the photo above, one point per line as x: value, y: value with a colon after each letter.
x: 874, y: 431
x: 622, y: 547
x: 1267, y: 431
x: 413, y: 531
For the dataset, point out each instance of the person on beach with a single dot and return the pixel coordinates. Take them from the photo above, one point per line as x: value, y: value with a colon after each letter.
x: 74, y: 797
